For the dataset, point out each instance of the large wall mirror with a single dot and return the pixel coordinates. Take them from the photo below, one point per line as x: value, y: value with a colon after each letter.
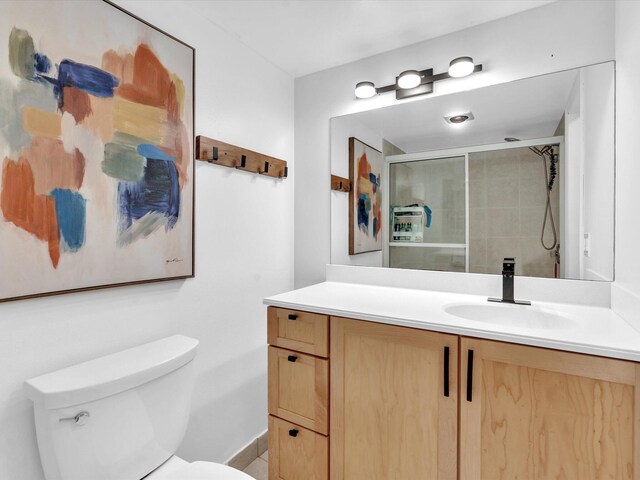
x: 530, y: 174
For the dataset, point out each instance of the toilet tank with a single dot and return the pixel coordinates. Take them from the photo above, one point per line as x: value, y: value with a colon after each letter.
x: 115, y: 417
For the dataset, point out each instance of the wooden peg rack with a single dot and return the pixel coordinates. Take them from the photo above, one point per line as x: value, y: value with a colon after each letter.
x: 340, y: 184
x: 220, y: 153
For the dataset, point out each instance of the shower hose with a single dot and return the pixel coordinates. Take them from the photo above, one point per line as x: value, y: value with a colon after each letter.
x: 548, y: 211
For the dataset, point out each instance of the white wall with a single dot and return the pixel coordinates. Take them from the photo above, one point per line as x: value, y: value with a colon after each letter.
x: 571, y: 205
x: 551, y: 38
x: 597, y: 108
x: 240, y: 258
x: 341, y: 129
x: 626, y: 289
x: 588, y: 176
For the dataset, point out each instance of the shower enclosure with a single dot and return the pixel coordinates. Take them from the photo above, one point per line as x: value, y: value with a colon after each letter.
x: 431, y: 194
x: 464, y: 210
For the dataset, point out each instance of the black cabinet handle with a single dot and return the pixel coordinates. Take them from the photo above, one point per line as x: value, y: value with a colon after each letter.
x: 292, y: 358
x: 293, y: 316
x: 446, y: 371
x: 293, y: 432
x: 470, y: 376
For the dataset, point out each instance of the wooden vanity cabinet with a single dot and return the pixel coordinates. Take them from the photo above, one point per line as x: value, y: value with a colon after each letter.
x: 394, y: 402
x: 403, y: 403
x: 528, y: 412
x: 298, y: 395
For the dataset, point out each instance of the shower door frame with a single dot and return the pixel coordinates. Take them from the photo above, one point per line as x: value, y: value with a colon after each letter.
x: 464, y: 152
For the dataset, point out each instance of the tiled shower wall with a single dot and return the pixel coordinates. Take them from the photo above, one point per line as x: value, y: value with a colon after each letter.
x: 507, y: 200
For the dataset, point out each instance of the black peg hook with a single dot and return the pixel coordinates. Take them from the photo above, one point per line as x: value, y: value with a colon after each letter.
x: 214, y: 155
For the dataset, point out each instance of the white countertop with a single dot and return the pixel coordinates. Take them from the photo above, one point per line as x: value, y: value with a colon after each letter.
x: 582, y: 329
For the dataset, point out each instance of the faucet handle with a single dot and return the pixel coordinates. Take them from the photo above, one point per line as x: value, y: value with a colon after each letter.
x: 508, y: 274
x: 508, y: 265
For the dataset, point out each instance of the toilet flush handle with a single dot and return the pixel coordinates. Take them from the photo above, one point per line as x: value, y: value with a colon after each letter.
x: 80, y: 419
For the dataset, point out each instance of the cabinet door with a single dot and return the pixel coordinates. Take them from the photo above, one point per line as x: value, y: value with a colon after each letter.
x: 296, y: 453
x: 393, y: 415
x: 533, y: 413
x: 299, y: 388
x: 300, y: 331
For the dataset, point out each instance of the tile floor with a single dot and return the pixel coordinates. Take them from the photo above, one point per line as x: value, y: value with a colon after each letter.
x: 259, y: 468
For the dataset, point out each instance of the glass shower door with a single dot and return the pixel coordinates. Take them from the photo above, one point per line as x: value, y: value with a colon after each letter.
x: 428, y: 221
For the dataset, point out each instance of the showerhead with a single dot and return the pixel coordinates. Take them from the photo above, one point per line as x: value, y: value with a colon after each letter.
x: 546, y: 150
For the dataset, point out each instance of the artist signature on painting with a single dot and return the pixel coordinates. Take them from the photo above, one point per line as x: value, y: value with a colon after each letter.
x: 174, y: 260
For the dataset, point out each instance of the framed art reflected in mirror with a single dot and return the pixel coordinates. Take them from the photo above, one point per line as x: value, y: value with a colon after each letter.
x: 365, y: 198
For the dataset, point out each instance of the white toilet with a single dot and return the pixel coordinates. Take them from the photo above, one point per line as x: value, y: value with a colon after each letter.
x: 121, y: 417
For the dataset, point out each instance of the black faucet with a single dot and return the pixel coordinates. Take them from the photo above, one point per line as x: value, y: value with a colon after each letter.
x: 508, y: 274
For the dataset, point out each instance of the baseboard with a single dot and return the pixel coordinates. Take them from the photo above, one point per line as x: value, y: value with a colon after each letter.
x: 626, y: 304
x: 248, y: 454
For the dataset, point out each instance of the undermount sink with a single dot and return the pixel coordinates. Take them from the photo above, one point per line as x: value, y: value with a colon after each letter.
x: 512, y: 315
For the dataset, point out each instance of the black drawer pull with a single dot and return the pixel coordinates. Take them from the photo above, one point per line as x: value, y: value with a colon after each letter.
x: 293, y: 432
x: 293, y: 316
x: 446, y: 371
x: 470, y: 376
x: 292, y: 358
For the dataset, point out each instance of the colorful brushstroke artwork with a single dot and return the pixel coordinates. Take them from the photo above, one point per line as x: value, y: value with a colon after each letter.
x: 365, y: 198
x: 96, y: 145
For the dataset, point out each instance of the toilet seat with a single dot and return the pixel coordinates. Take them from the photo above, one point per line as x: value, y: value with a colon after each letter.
x: 196, y: 471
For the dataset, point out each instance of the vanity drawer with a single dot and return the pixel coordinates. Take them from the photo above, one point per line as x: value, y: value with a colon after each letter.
x: 302, y: 331
x: 296, y: 453
x: 299, y: 389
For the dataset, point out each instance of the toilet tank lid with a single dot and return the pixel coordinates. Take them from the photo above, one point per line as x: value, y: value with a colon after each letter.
x: 111, y: 374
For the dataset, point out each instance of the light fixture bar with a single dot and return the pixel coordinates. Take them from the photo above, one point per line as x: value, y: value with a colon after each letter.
x: 426, y: 83
x: 388, y: 88
x: 427, y: 79
x: 445, y: 75
x: 425, y: 87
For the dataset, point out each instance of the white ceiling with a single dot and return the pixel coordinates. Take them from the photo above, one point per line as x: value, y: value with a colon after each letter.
x: 524, y: 109
x: 306, y: 36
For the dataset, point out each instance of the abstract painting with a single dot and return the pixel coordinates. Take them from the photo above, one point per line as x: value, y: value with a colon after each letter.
x: 365, y: 198
x: 96, y: 148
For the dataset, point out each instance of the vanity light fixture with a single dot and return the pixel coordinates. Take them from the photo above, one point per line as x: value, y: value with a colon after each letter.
x: 461, y: 67
x: 365, y: 90
x: 413, y: 82
x: 409, y: 79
